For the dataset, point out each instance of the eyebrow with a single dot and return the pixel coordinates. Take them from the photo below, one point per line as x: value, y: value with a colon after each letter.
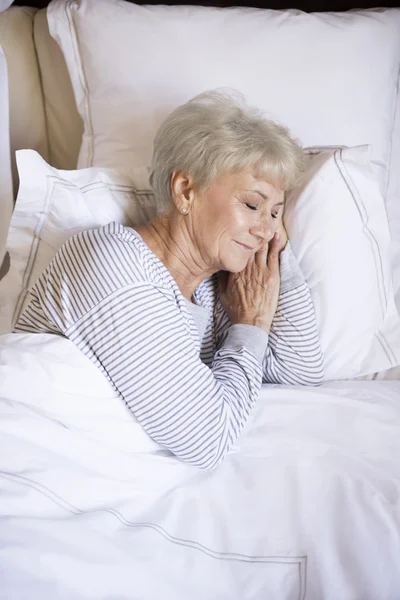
x: 264, y: 197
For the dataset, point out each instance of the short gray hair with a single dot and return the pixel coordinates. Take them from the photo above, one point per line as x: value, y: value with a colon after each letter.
x: 215, y: 133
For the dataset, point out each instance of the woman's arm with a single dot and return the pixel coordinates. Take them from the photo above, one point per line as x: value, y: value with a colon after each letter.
x: 139, y: 339
x: 294, y: 353
x: 136, y: 334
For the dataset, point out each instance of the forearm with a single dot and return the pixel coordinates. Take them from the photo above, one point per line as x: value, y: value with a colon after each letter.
x: 203, y: 413
x: 294, y: 353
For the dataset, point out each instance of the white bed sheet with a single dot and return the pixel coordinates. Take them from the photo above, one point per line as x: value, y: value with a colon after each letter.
x: 306, y: 507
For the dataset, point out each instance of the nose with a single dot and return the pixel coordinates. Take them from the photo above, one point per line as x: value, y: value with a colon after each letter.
x: 264, y: 228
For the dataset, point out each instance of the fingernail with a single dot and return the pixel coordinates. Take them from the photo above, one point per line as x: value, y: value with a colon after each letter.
x: 277, y: 236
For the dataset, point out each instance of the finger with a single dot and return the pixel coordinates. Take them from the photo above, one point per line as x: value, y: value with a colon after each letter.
x: 273, y: 254
x: 248, y: 269
x: 260, y: 257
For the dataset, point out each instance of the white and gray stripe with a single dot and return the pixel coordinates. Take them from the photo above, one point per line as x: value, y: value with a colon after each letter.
x: 190, y: 377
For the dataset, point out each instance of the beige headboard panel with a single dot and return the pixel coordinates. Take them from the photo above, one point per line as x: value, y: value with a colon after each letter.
x: 43, y: 113
x: 27, y: 119
x: 64, y: 125
x: 41, y: 105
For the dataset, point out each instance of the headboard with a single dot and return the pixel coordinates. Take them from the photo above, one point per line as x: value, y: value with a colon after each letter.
x: 306, y: 5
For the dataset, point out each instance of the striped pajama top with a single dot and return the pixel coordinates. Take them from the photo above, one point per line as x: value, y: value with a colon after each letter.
x: 192, y: 387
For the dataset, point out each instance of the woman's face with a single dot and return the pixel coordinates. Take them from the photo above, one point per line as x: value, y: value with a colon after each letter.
x: 234, y: 218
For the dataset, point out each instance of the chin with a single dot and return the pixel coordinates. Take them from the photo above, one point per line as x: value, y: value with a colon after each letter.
x: 234, y: 266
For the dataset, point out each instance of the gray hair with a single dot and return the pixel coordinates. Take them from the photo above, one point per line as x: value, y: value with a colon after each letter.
x: 215, y: 133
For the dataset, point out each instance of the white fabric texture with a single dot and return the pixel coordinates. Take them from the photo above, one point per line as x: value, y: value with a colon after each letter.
x: 339, y: 232
x: 393, y: 202
x: 342, y: 245
x: 52, y: 206
x: 151, y: 64
x: 4, y: 4
x: 304, y: 507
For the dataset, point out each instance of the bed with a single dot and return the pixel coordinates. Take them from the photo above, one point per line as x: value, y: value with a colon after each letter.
x: 307, y: 504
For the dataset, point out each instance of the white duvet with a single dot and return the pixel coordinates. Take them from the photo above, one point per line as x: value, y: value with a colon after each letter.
x: 307, y: 507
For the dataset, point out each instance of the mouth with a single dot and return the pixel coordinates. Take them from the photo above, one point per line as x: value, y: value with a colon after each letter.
x: 244, y: 247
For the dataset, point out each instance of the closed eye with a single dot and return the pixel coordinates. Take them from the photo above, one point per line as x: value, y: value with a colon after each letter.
x: 274, y: 216
x: 252, y: 206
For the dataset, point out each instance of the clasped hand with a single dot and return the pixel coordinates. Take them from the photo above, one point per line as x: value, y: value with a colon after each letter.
x: 250, y: 297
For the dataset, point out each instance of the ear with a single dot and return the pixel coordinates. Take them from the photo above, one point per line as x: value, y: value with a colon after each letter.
x: 182, y: 189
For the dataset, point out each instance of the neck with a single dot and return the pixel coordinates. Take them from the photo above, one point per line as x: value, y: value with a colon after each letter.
x: 169, y: 238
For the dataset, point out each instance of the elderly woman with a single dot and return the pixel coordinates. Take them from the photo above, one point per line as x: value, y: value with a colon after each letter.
x: 189, y: 314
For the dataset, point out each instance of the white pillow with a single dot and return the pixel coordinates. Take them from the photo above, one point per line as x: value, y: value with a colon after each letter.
x: 336, y: 222
x: 393, y: 202
x: 330, y: 77
x: 52, y: 206
x: 339, y: 232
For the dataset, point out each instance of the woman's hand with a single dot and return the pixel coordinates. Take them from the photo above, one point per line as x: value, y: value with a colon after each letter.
x: 251, y: 296
x: 282, y: 231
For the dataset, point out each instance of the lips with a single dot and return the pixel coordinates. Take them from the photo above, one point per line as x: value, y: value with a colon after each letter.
x: 245, y: 247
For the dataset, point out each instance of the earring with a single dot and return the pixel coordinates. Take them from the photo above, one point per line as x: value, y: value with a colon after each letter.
x: 184, y: 210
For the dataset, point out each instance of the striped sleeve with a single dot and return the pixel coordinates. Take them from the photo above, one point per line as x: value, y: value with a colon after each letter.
x: 138, y: 339
x: 294, y: 353
x: 135, y: 333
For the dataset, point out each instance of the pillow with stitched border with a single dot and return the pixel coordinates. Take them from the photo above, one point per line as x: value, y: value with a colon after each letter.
x: 331, y: 77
